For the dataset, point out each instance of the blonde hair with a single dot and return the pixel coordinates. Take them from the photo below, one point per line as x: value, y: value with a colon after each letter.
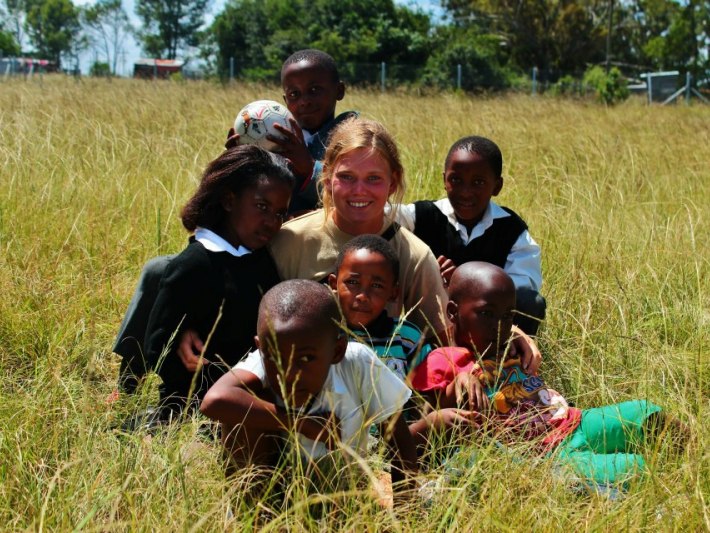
x: 353, y: 134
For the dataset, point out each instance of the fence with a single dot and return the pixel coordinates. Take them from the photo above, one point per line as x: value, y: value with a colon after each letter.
x: 25, y: 66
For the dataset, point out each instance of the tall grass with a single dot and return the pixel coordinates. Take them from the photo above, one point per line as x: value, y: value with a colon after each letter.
x: 92, y: 175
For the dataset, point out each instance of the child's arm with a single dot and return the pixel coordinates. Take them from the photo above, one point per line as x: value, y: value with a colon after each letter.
x: 402, y: 448
x: 236, y: 398
x: 239, y: 397
x: 444, y: 420
x: 523, y: 263
x: 530, y: 356
x: 446, y: 268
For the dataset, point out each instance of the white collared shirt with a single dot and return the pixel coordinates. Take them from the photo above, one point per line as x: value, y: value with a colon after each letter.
x: 523, y: 264
x: 214, y: 243
x: 360, y: 391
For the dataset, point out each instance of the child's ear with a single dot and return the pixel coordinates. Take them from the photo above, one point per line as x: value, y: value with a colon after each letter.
x: 340, y: 92
x: 257, y: 343
x: 227, y: 201
x: 333, y: 281
x: 499, y: 186
x: 341, y: 344
x: 452, y: 310
x: 395, y: 293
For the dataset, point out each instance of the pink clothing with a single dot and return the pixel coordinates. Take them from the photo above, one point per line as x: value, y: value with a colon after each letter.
x: 522, y: 405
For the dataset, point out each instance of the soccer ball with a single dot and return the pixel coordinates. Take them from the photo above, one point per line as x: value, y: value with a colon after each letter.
x: 256, y: 120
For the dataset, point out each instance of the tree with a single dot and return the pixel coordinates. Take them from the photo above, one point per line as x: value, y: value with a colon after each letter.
x: 53, y: 27
x: 554, y: 35
x: 13, y: 15
x: 8, y: 46
x: 664, y: 35
x: 260, y: 34
x: 170, y: 25
x: 480, y: 57
x: 108, y: 26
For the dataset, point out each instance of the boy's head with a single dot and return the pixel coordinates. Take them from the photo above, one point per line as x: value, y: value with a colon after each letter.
x: 481, y: 306
x: 366, y: 278
x: 312, y: 88
x: 472, y: 175
x: 299, y: 337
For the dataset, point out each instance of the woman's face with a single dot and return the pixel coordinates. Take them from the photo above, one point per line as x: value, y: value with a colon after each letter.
x: 255, y: 215
x: 360, y: 185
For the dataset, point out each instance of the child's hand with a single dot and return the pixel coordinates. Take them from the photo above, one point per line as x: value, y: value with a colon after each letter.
x: 468, y: 392
x: 190, y: 349
x: 232, y: 139
x: 324, y: 427
x: 453, y: 417
x: 293, y: 147
x: 446, y: 268
x: 530, y: 355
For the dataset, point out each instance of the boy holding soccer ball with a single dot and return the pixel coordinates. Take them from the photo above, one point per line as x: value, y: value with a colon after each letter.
x: 312, y: 88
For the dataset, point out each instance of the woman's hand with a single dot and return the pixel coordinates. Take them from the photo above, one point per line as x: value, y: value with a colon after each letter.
x: 190, y: 349
x: 530, y: 355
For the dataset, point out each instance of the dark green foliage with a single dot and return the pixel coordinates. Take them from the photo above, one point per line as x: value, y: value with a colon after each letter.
x: 610, y: 88
x: 259, y: 35
x: 170, y: 25
x: 479, y: 56
x: 52, y: 26
x: 8, y: 45
x: 100, y: 69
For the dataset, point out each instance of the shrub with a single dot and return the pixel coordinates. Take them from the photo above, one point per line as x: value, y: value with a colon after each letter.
x: 610, y: 88
x: 100, y: 69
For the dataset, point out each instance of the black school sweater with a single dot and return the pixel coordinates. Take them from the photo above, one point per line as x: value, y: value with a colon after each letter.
x: 433, y: 227
x: 196, y: 283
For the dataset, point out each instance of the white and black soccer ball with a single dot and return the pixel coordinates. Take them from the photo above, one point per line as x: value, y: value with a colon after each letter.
x: 256, y: 120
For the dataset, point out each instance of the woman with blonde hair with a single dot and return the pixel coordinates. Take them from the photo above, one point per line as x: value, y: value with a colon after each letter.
x: 362, y: 172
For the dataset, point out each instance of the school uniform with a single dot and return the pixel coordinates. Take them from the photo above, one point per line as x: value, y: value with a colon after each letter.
x: 501, y: 237
x: 214, y: 289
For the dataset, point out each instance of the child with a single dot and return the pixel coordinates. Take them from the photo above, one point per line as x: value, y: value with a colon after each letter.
x: 306, y: 378
x: 312, y: 88
x: 468, y: 226
x: 214, y: 285
x: 365, y: 280
x: 597, y: 443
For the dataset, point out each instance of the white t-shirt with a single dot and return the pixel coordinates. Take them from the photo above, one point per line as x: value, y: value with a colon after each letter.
x: 360, y: 391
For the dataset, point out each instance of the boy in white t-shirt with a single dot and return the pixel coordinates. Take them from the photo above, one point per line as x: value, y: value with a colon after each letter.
x: 307, y: 379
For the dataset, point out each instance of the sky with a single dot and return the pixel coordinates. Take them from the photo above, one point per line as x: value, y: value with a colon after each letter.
x: 132, y: 48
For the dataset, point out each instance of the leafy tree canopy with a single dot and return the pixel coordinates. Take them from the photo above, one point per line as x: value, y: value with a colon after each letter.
x: 170, y: 25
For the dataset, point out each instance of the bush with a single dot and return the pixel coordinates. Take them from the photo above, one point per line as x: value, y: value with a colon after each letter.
x: 609, y: 88
x: 100, y: 69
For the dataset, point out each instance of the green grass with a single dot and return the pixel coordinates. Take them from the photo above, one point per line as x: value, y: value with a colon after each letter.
x: 92, y: 176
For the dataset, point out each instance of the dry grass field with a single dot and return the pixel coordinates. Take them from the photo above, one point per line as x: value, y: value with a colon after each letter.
x: 92, y: 176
